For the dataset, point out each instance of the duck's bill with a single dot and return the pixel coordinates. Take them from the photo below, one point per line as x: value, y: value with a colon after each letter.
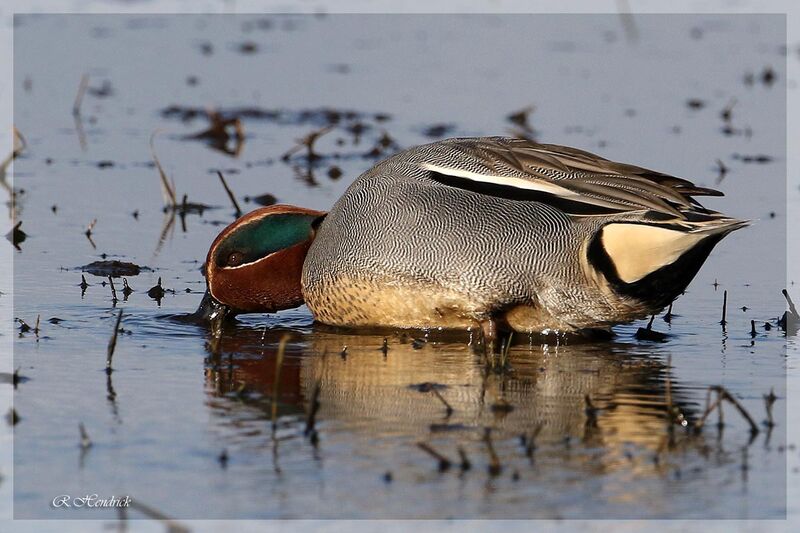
x: 211, y: 311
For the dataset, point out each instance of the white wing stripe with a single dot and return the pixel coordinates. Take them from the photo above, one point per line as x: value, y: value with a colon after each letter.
x: 508, y: 181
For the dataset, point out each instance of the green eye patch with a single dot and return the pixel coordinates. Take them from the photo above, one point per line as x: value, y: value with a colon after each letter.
x: 260, y: 238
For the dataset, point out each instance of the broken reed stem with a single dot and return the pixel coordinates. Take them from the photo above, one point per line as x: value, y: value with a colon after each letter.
x: 167, y: 190
x: 724, y: 308
x: 82, y: 86
x: 113, y: 343
x: 709, y: 408
x: 723, y: 394
x: 276, y: 384
x: 444, y: 462
x: 113, y: 289
x: 728, y: 396
x: 230, y: 194
x: 438, y: 394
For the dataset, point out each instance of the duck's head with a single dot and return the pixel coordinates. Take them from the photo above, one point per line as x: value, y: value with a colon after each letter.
x: 254, y: 265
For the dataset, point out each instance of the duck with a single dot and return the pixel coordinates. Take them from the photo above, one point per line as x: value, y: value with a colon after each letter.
x: 475, y: 232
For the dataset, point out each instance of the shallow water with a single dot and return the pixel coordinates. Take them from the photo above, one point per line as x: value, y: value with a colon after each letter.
x: 176, y: 400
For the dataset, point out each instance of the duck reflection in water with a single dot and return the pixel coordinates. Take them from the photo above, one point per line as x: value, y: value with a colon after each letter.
x: 604, y: 405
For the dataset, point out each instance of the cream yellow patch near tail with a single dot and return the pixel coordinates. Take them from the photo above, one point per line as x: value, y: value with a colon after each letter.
x: 637, y: 250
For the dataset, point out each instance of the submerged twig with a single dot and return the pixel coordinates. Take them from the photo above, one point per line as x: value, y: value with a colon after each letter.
x: 89, y: 230
x: 311, y: 417
x: 112, y: 343
x: 114, y: 299
x: 448, y: 407
x: 723, y: 394
x: 465, y: 464
x: 307, y: 142
x: 444, y: 462
x: 276, y: 383
x: 494, y: 462
x: 86, y: 442
x: 769, y: 400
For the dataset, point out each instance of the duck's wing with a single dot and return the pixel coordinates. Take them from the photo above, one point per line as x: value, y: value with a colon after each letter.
x: 561, y: 173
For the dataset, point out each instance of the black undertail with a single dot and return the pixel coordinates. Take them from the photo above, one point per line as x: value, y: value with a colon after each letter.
x: 659, y: 288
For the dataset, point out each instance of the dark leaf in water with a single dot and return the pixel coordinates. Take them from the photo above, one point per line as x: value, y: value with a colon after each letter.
x: 438, y: 130
x: 334, y: 172
x: 263, y: 199
x: 113, y: 268
x: 695, y: 103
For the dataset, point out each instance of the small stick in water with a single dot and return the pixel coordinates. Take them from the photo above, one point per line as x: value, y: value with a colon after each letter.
x: 385, y: 346
x: 88, y: 232
x: 167, y: 189
x: 448, y: 407
x: 724, y: 309
x: 113, y: 343
x: 277, y: 382
x: 82, y: 86
x: 728, y: 396
x: 494, y: 462
x: 157, y: 292
x: 444, y: 462
x: 465, y: 464
x: 313, y: 407
x: 590, y: 410
x: 769, y: 400
x: 83, y: 285
x: 114, y: 299
x: 223, y: 458
x: 126, y: 289
x: 230, y: 194
x: 86, y: 442
x: 753, y: 329
x: 530, y: 444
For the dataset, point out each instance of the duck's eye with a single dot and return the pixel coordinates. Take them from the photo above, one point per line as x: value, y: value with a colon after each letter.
x: 235, y: 259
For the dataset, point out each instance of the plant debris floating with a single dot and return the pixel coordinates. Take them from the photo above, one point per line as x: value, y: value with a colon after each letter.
x: 113, y: 268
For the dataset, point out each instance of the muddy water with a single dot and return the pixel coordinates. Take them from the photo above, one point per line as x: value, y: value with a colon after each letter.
x: 184, y: 425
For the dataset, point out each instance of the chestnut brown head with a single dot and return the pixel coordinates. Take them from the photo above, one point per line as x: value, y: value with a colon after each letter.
x: 254, y: 265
